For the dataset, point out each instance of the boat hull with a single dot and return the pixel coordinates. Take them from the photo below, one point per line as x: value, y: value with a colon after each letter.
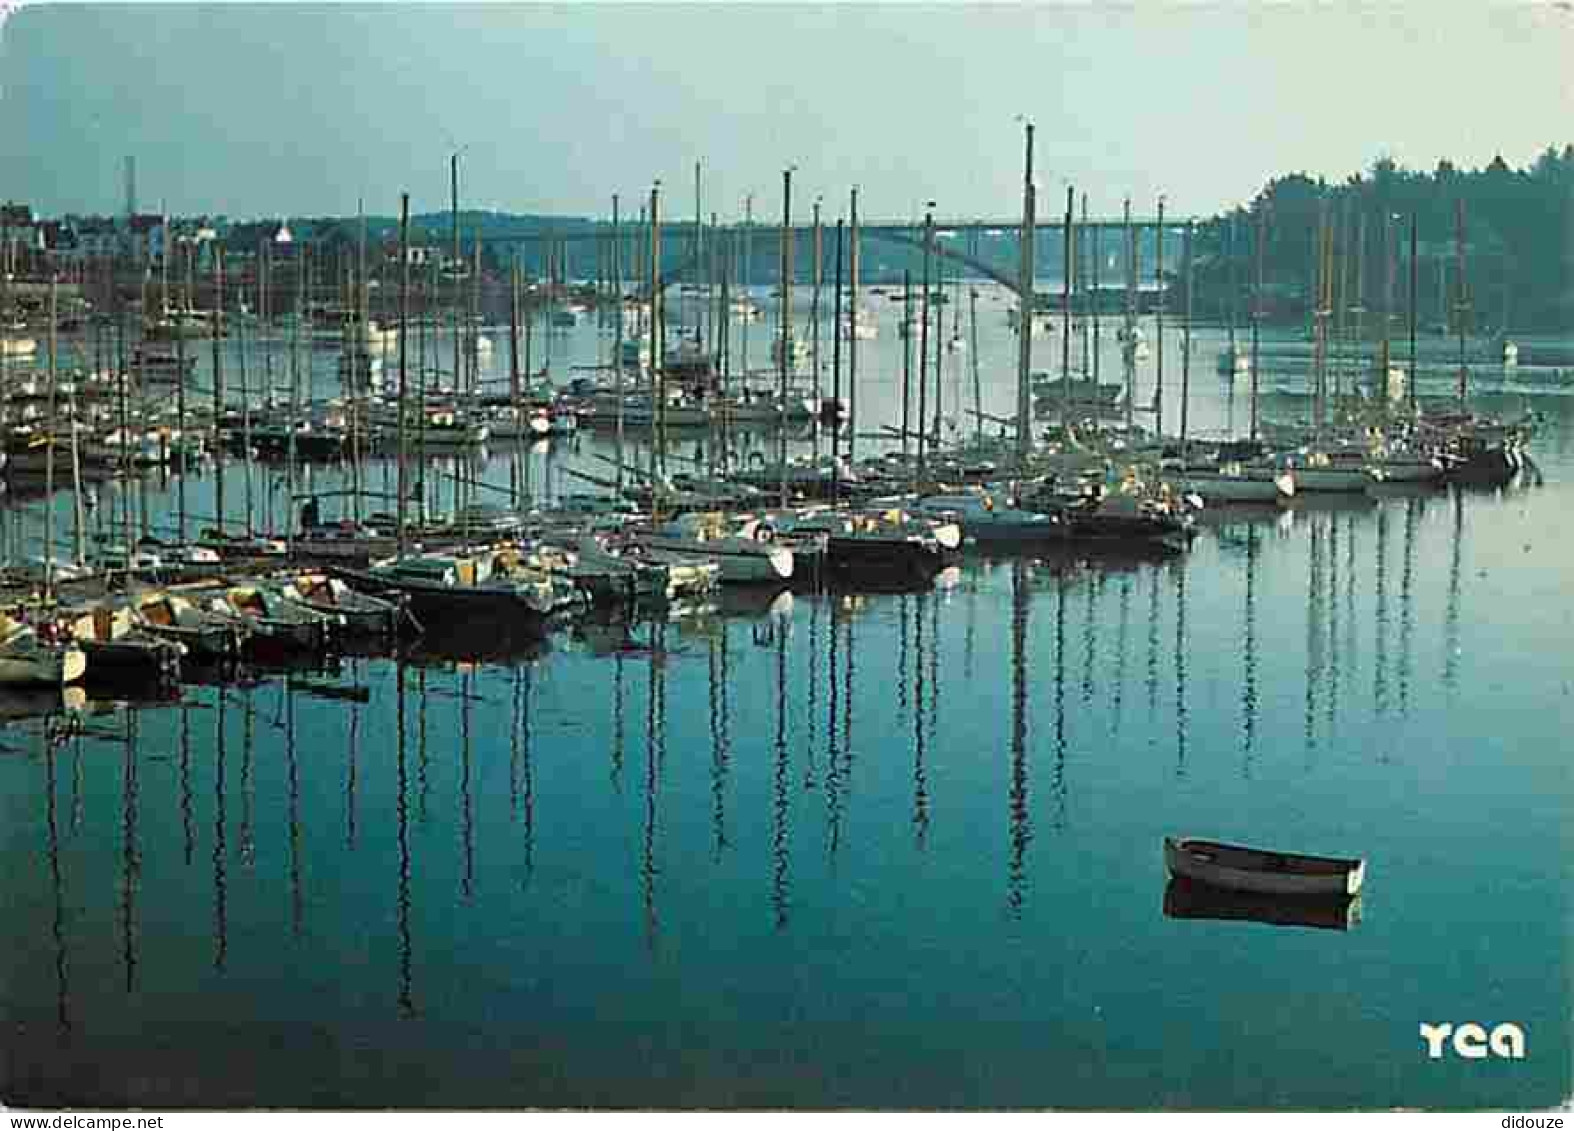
x: 1239, y: 869
x: 42, y: 667
x: 1239, y: 488
x: 432, y: 604
x: 1333, y: 479
x: 131, y: 659
x: 748, y: 564
x: 1409, y: 471
x: 898, y: 560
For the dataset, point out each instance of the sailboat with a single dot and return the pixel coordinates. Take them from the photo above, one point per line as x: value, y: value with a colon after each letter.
x: 25, y: 660
x: 477, y: 587
x: 747, y: 557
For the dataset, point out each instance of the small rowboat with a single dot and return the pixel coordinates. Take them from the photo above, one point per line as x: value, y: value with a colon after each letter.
x: 1234, y: 868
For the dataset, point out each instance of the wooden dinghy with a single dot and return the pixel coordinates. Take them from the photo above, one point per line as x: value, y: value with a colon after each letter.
x: 1233, y: 867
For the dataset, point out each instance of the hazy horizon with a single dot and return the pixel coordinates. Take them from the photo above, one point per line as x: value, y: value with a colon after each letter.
x: 254, y: 110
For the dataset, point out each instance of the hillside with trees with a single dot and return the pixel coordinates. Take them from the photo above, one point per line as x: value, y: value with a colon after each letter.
x: 1518, y: 245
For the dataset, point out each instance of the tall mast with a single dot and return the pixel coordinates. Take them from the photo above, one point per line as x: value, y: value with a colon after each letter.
x: 658, y: 368
x: 698, y: 245
x: 747, y: 279
x: 404, y: 334
x: 218, y: 385
x: 49, y: 451
x: 427, y: 294
x: 852, y: 342
x: 1229, y: 303
x: 617, y: 345
x: 361, y: 350
x: 836, y: 373
x: 1320, y: 325
x: 1462, y: 301
x: 1158, y: 328
x: 1414, y: 315
x: 1388, y: 300
x: 1082, y: 288
x: 458, y: 268
x: 1262, y: 239
x: 721, y: 263
x: 467, y: 405
x: 1341, y: 283
x: 1095, y: 296
x: 907, y: 360
x: 978, y: 389
x: 1128, y: 351
x: 124, y: 406
x: 814, y: 319
x: 938, y: 337
x: 923, y: 343
x: 1358, y: 329
x: 1186, y: 345
x: 180, y: 410
x: 302, y: 268
x: 1026, y: 305
x: 78, y: 519
x: 513, y: 378
x: 166, y: 246
x: 1066, y: 240
x: 785, y: 350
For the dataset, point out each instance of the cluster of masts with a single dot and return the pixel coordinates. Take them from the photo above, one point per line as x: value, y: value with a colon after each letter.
x: 826, y: 514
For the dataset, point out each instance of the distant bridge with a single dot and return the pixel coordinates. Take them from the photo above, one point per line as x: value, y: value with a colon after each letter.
x: 678, y: 243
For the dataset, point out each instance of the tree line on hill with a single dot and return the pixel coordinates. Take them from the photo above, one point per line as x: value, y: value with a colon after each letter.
x: 1518, y: 242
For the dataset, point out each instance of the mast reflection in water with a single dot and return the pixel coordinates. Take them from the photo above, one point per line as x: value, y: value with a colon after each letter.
x: 656, y: 874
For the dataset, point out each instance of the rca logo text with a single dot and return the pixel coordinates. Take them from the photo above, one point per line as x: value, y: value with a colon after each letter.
x: 1473, y: 1042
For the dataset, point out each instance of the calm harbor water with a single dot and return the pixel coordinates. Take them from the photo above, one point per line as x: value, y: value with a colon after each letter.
x: 872, y: 850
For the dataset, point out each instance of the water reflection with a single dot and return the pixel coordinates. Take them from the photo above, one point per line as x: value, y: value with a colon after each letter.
x: 1122, y: 630
x: 1186, y: 900
x: 1218, y: 677
x: 920, y: 737
x: 779, y: 784
x: 1314, y: 637
x: 220, y: 837
x: 522, y: 684
x: 721, y: 759
x: 833, y: 744
x: 293, y: 810
x: 130, y: 858
x: 58, y: 931
x: 1057, y: 777
x: 1182, y: 710
x: 1451, y: 606
x: 655, y: 715
x: 466, y: 803
x: 1413, y: 508
x: 402, y: 897
x: 1249, y: 656
x: 1380, y: 658
x: 187, y: 821
x: 351, y: 772
x: 1019, y: 828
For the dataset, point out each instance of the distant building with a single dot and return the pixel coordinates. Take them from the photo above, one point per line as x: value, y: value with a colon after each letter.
x: 97, y: 237
x: 249, y: 238
x: 20, y: 239
x: 146, y: 236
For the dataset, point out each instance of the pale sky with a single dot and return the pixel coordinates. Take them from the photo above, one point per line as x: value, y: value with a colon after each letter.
x: 288, y: 109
